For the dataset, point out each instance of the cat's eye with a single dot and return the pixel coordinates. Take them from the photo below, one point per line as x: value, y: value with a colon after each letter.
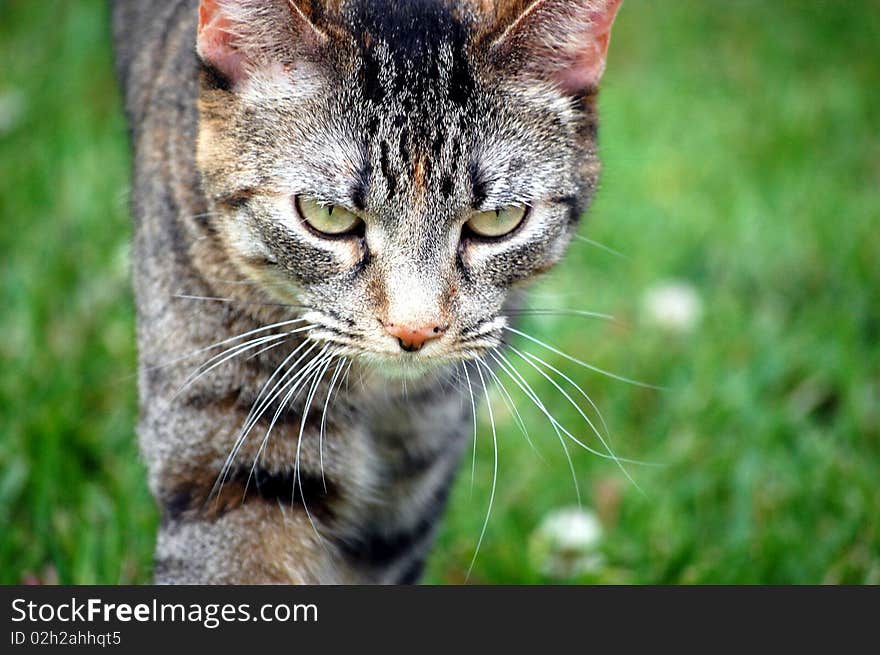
x: 497, y: 223
x: 329, y: 220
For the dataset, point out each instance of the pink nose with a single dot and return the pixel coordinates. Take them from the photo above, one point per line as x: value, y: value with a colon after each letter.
x: 411, y: 338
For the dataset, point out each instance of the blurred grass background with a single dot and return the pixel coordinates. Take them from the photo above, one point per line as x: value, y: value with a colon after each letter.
x: 742, y: 158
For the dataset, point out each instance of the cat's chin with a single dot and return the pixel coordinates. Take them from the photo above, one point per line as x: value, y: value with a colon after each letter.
x: 394, y: 377
x: 407, y: 368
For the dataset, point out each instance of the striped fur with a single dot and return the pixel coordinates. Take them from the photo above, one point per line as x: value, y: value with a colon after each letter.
x: 413, y: 113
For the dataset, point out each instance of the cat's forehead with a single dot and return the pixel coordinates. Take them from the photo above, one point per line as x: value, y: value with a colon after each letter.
x: 417, y: 94
x: 402, y: 116
x: 412, y: 54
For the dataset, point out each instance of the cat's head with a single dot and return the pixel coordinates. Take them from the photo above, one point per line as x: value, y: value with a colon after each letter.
x: 398, y: 167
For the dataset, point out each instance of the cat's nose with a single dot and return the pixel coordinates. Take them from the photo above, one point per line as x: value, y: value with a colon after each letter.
x: 411, y: 338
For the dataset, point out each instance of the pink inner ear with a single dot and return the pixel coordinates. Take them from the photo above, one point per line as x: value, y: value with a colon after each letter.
x: 215, y: 42
x: 585, y: 68
x: 564, y: 40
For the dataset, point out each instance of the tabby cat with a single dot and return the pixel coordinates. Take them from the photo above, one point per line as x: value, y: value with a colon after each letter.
x: 336, y: 205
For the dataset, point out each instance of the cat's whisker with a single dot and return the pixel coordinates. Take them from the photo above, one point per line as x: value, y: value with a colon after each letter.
x: 265, y: 350
x: 474, y: 412
x: 255, y: 412
x: 583, y: 393
x: 361, y: 380
x: 577, y: 487
x: 346, y: 377
x: 494, y: 468
x: 579, y: 362
x: 234, y: 351
x: 319, y: 375
x: 601, y: 246
x: 265, y: 396
x: 233, y: 301
x: 322, y: 432
x: 532, y: 395
x: 498, y: 356
x: 222, y: 358
x: 583, y: 414
x: 251, y: 283
x: 289, y: 376
x: 444, y: 381
x: 441, y: 379
x: 292, y: 387
x: 290, y: 391
x: 560, y: 312
x: 219, y: 344
x: 505, y: 395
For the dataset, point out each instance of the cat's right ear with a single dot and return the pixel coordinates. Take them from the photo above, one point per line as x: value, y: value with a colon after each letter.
x: 236, y: 37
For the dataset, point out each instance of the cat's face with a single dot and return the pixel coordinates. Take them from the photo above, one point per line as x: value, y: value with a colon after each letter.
x: 398, y: 168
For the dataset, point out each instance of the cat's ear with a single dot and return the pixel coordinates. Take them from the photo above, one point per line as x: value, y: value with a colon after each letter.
x: 563, y: 41
x: 237, y: 36
x: 216, y: 43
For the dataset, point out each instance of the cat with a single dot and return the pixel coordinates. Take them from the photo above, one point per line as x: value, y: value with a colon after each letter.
x: 336, y: 205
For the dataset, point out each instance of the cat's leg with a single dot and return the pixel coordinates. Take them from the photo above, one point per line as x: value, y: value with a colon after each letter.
x: 375, y: 527
x: 255, y: 543
x: 375, y: 471
x: 246, y: 523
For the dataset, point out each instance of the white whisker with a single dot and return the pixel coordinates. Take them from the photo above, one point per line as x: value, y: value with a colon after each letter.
x: 494, y: 470
x: 256, y: 412
x: 530, y: 393
x: 505, y: 395
x: 224, y: 357
x: 579, y: 362
x: 498, y: 356
x: 561, y: 312
x: 600, y: 246
x: 260, y: 401
x: 579, y: 411
x: 293, y: 387
x: 266, y: 349
x: 224, y: 342
x: 234, y: 301
x: 474, y: 410
x: 571, y: 382
x: 324, y: 418
x: 319, y: 375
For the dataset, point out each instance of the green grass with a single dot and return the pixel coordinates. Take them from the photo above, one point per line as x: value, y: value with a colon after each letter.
x: 742, y: 155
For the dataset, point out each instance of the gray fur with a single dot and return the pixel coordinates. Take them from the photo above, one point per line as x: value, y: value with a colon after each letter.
x: 401, y: 111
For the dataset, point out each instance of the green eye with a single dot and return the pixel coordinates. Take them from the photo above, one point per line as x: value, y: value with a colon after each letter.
x: 330, y: 220
x: 498, y: 223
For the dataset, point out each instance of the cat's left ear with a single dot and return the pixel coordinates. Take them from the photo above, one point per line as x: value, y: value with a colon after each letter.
x: 562, y: 41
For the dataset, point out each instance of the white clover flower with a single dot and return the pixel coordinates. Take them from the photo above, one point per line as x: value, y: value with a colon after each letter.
x: 566, y: 543
x: 673, y: 305
x: 12, y: 107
